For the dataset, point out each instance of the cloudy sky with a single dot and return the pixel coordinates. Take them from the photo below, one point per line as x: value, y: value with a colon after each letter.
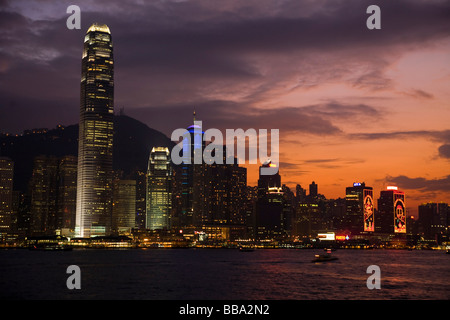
x: 352, y: 104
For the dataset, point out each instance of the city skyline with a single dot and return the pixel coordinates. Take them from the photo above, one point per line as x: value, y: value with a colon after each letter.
x: 371, y: 107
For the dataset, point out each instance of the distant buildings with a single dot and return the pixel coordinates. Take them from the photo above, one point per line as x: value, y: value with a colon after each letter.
x: 53, y: 195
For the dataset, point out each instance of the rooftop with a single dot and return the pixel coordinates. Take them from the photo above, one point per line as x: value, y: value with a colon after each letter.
x: 99, y: 27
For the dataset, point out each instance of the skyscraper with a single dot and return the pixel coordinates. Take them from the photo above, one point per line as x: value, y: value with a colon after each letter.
x: 159, y: 189
x: 124, y: 206
x: 6, y: 196
x: 313, y: 190
x: 44, y: 196
x: 360, y: 209
x: 192, y: 177
x: 67, y: 193
x: 269, y: 206
x: 95, y: 146
x: 433, y: 219
x: 391, y: 215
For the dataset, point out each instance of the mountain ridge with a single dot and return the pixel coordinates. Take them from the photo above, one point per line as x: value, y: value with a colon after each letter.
x: 133, y: 141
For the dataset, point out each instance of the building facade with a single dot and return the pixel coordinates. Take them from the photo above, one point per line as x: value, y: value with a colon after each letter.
x: 6, y: 196
x: 360, y: 208
x: 124, y: 207
x: 159, y: 189
x: 391, y: 215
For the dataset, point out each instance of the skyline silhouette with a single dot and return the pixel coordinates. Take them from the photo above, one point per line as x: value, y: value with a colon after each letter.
x: 352, y: 104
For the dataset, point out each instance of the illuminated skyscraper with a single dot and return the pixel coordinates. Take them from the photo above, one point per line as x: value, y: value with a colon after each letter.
x: 391, y: 215
x: 159, y: 189
x: 192, y: 177
x: 360, y: 209
x: 6, y: 194
x: 95, y: 146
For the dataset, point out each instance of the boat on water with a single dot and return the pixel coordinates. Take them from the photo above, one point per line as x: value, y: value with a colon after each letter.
x: 324, y: 257
x: 51, y: 247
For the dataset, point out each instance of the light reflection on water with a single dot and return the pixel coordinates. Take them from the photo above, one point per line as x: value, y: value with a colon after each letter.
x: 223, y: 274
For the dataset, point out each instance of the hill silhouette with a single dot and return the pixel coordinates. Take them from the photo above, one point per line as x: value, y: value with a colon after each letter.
x: 133, y: 141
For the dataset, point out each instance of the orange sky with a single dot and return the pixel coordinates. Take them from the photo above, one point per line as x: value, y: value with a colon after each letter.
x: 335, y: 162
x: 351, y: 104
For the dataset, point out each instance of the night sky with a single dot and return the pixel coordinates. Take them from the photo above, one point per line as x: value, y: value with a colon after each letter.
x: 352, y: 104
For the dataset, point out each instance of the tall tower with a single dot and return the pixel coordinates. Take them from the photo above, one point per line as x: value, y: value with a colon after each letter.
x: 159, y: 189
x: 269, y: 205
x: 360, y: 209
x: 95, y: 145
x: 391, y: 211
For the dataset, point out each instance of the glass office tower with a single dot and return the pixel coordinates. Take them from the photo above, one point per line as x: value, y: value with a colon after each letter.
x: 95, y: 146
x: 159, y: 189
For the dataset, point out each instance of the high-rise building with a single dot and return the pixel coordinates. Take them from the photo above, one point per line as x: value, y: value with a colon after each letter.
x: 269, y: 206
x: 360, y: 208
x: 124, y: 206
x: 433, y: 219
x: 44, y: 196
x: 6, y: 196
x: 313, y: 190
x: 190, y: 177
x: 391, y: 214
x: 141, y: 199
x: 300, y: 194
x: 159, y: 189
x: 67, y: 193
x: 225, y: 193
x: 53, y: 195
x: 95, y: 146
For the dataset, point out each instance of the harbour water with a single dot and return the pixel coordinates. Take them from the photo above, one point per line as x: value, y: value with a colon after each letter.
x: 223, y: 274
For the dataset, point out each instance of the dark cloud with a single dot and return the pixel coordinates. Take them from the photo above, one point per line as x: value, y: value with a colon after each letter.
x: 320, y: 160
x: 189, y: 54
x: 230, y: 115
x: 421, y: 94
x: 443, y: 135
x: 420, y: 183
x: 444, y: 151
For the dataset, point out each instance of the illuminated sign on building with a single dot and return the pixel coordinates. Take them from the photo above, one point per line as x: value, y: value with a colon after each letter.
x: 368, y: 211
x: 391, y: 188
x: 342, y: 238
x: 399, y: 216
x: 326, y: 236
x: 357, y: 184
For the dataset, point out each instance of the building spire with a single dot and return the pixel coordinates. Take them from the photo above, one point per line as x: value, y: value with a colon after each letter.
x: 194, y: 114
